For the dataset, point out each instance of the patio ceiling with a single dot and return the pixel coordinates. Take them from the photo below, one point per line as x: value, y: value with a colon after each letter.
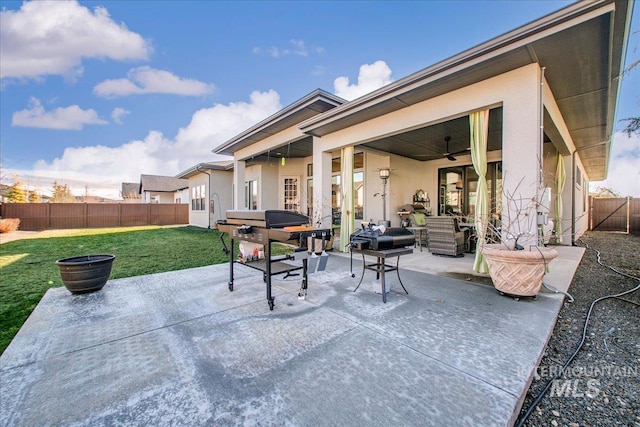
x: 428, y: 143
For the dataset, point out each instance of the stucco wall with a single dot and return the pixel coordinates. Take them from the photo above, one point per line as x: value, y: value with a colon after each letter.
x: 198, y: 218
x: 221, y: 194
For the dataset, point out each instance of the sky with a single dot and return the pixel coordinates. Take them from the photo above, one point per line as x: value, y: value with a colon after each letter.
x: 96, y: 93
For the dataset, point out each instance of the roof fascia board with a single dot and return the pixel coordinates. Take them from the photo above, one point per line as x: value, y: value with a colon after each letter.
x: 616, y: 75
x: 273, y: 142
x: 302, y: 103
x: 522, y: 36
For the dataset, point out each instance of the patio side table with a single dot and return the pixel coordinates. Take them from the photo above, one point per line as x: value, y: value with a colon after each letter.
x: 421, y: 236
x: 380, y: 267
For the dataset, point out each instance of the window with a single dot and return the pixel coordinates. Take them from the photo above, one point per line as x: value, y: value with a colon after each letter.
x: 197, y: 198
x: 458, y: 187
x: 310, y: 197
x: 251, y: 195
x: 358, y: 187
x: 291, y: 194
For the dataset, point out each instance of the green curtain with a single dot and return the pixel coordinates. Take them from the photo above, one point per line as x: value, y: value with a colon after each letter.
x: 561, y: 177
x: 479, y: 127
x: 347, y: 218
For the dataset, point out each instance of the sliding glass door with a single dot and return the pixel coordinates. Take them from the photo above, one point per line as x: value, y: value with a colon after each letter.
x: 458, y: 186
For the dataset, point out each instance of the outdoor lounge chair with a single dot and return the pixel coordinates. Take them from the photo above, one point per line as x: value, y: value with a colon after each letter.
x: 445, y: 237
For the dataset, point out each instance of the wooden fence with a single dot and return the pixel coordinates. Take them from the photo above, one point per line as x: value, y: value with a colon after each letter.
x: 615, y: 214
x: 44, y: 216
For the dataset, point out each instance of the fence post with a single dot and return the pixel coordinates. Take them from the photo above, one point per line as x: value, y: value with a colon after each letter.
x: 628, y: 215
x: 591, y: 202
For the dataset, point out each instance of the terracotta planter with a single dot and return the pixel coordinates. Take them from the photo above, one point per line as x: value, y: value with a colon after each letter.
x: 517, y: 273
x: 87, y: 273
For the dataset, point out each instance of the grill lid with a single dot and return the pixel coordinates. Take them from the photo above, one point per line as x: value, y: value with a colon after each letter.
x: 266, y: 218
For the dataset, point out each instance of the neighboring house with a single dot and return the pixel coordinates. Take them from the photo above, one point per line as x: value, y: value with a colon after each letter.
x: 94, y: 199
x: 549, y: 90
x: 209, y: 192
x: 163, y: 189
x: 4, y: 192
x: 131, y: 192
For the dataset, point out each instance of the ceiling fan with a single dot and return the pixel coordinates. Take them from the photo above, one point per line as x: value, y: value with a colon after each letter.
x: 448, y: 154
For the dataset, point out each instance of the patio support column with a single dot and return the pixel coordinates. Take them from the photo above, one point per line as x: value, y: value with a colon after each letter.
x: 521, y: 159
x: 238, y: 184
x: 347, y: 221
x: 561, y: 177
x: 321, y: 185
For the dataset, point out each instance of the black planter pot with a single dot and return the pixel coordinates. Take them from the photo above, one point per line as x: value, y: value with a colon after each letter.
x: 87, y: 273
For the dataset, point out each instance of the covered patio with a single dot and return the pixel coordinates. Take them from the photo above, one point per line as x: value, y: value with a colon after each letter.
x: 178, y: 348
x: 548, y: 90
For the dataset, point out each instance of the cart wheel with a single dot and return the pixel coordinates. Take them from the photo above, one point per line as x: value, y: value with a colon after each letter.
x: 230, y: 286
x: 516, y: 298
x: 353, y: 275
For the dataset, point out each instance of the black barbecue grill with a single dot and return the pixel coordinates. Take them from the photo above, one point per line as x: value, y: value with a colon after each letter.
x: 266, y: 226
x: 382, y: 243
x: 373, y: 239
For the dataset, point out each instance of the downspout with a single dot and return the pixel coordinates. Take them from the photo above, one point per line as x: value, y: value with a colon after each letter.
x: 208, y: 198
x: 573, y: 198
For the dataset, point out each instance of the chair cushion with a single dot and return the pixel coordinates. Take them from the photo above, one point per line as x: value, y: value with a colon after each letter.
x: 419, y: 219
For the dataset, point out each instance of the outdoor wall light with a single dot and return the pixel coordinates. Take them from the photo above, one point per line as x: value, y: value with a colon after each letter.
x: 384, y: 173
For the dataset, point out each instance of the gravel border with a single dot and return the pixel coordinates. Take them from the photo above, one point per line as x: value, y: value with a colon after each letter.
x: 601, y: 387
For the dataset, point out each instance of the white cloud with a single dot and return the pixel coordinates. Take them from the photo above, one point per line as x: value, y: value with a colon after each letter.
x: 156, y: 154
x: 295, y: 47
x: 210, y: 127
x: 371, y: 77
x: 624, y: 166
x: 144, y: 80
x: 118, y: 113
x: 299, y: 47
x: 53, y: 37
x: 70, y: 118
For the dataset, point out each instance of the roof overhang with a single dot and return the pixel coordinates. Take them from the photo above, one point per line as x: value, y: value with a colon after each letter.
x: 203, y: 167
x: 315, y: 103
x: 582, y: 48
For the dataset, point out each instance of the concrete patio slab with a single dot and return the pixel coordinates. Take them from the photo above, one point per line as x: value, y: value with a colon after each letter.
x: 178, y: 348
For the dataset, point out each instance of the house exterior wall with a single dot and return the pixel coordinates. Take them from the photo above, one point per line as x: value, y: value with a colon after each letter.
x: 157, y: 197
x: 198, y: 218
x: 266, y: 176
x: 522, y: 94
x: 221, y: 194
x: 181, y: 196
x: 219, y: 199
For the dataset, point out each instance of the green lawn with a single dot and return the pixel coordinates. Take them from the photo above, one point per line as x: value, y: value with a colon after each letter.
x: 27, y: 266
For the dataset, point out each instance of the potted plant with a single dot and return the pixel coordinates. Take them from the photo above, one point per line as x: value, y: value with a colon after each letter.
x: 516, y: 268
x: 86, y: 273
